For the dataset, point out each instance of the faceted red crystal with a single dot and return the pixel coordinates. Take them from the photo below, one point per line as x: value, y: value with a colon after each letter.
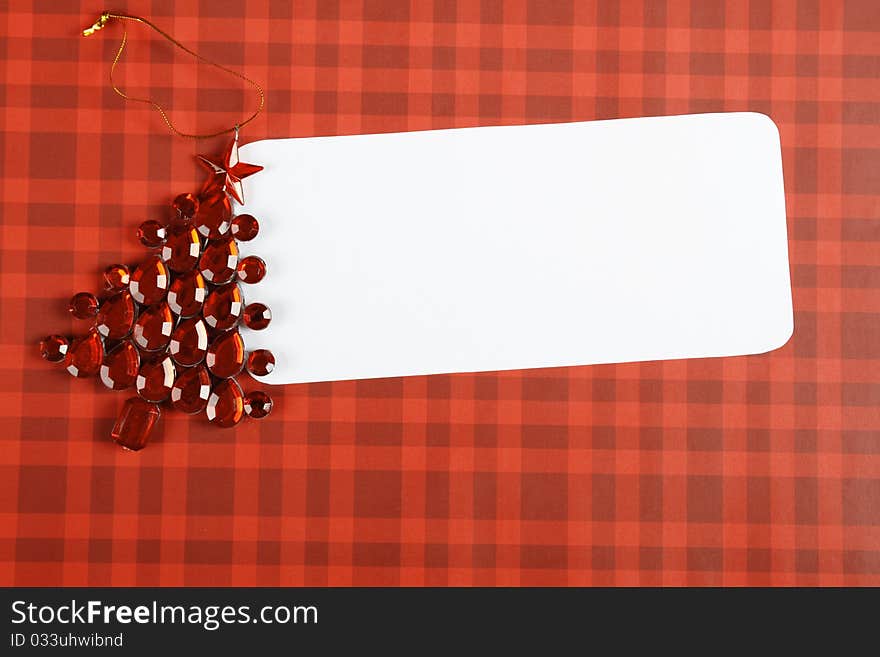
x: 244, y: 227
x: 214, y: 213
x: 149, y: 282
x: 187, y: 294
x: 257, y: 316
x: 83, y: 305
x: 226, y: 404
x: 182, y: 248
x: 134, y: 424
x: 155, y: 379
x: 116, y: 316
x: 260, y: 362
x: 225, y: 356
x: 85, y: 355
x: 152, y: 234
x: 186, y: 206
x: 117, y: 277
x: 120, y: 367
x: 219, y: 260
x: 152, y: 331
x: 54, y: 348
x: 257, y: 404
x: 223, y: 307
x: 189, y: 342
x: 251, y: 269
x: 191, y: 390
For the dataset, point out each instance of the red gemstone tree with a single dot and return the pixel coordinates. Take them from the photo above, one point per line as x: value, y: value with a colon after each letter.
x: 169, y: 326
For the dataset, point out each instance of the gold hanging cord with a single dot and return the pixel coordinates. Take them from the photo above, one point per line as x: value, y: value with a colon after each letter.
x: 107, y: 16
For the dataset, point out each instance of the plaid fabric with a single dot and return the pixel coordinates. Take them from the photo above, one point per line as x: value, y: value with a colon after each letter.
x: 754, y: 470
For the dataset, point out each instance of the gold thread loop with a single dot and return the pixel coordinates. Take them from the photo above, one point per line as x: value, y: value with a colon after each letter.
x: 107, y: 16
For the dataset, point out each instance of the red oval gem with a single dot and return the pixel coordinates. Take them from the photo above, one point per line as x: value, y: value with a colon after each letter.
x: 191, y: 390
x: 189, y: 342
x: 251, y: 269
x: 257, y: 404
x: 187, y: 294
x: 260, y: 362
x: 225, y: 356
x: 257, y: 316
x: 54, y: 348
x: 117, y: 277
x: 226, y: 404
x: 83, y: 305
x: 152, y: 234
x: 116, y: 316
x: 120, y: 367
x: 85, y: 355
x: 214, y: 213
x: 186, y: 206
x: 152, y: 331
x: 244, y: 227
x: 134, y: 424
x: 155, y: 379
x: 223, y: 307
x: 182, y: 248
x: 219, y: 260
x: 149, y: 282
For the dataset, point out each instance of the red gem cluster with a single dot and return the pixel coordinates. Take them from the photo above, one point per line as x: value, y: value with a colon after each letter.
x: 169, y: 327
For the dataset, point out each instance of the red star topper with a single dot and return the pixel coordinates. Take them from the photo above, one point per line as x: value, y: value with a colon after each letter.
x: 229, y: 171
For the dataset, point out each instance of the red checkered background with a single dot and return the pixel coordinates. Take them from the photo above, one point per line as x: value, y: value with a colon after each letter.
x: 753, y: 470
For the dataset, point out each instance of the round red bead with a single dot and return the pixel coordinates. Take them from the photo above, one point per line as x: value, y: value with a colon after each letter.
x: 186, y: 206
x: 83, y: 305
x: 149, y: 282
x: 85, y: 355
x: 116, y: 316
x: 257, y: 316
x: 155, y: 379
x: 244, y: 227
x: 54, y: 348
x: 182, y: 248
x: 189, y: 342
x: 191, y: 390
x: 226, y: 404
x: 223, y: 307
x: 219, y: 260
x: 152, y: 234
x: 187, y: 294
x: 117, y: 277
x: 225, y: 356
x: 260, y: 362
x: 257, y: 404
x: 213, y: 215
x: 251, y: 269
x: 152, y: 331
x: 120, y: 367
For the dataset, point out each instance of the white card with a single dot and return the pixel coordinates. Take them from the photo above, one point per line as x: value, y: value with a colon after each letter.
x: 517, y: 247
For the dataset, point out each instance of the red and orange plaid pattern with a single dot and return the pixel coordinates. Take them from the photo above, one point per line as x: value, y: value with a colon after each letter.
x: 754, y: 470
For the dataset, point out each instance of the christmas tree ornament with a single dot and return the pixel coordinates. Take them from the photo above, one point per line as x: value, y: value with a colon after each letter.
x: 166, y: 326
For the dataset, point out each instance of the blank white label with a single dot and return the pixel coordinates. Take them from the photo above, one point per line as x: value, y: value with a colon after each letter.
x: 516, y: 247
